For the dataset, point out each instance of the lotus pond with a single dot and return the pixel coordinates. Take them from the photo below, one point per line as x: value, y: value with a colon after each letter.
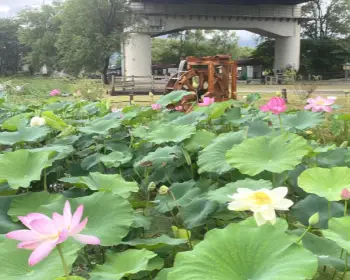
x: 228, y: 191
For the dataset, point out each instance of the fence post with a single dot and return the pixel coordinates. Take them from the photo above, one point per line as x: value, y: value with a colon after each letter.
x: 131, y: 98
x: 284, y: 94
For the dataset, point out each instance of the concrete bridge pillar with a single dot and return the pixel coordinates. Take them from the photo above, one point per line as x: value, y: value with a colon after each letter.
x: 287, y: 51
x: 138, y: 55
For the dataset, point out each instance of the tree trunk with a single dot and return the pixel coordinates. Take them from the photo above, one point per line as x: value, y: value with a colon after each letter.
x: 104, y: 72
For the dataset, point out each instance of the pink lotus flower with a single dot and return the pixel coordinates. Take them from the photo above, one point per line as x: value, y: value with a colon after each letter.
x: 179, y: 108
x: 207, y: 101
x: 116, y: 110
x: 55, y: 92
x: 276, y: 105
x: 73, y: 225
x: 156, y: 106
x: 44, y: 234
x: 320, y: 104
x: 345, y: 194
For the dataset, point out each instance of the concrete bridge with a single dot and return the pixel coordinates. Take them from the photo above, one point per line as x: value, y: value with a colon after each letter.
x: 279, y: 19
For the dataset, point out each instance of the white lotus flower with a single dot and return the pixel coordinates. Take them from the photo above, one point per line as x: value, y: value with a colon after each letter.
x: 37, y: 121
x: 262, y: 203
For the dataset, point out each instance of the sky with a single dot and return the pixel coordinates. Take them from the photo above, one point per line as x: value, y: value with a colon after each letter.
x: 11, y: 7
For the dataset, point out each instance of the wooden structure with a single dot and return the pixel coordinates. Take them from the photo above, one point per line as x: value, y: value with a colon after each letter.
x: 212, y: 76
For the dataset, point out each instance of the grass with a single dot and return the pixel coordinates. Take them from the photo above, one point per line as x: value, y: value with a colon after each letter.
x: 36, y: 91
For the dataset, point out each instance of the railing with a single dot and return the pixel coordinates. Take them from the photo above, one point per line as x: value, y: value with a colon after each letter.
x: 273, y: 11
x: 139, y: 84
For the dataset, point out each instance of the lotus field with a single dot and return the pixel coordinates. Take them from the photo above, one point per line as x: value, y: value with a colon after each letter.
x: 230, y: 190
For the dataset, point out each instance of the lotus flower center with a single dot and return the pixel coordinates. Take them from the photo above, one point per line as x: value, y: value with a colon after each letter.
x: 320, y: 102
x: 260, y: 198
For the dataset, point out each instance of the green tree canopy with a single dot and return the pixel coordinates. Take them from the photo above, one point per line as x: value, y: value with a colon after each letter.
x: 91, y: 32
x: 39, y: 31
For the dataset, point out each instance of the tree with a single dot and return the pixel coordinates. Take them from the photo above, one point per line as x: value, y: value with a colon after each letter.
x: 91, y: 32
x: 194, y: 43
x: 10, y: 48
x: 39, y: 30
x: 329, y: 19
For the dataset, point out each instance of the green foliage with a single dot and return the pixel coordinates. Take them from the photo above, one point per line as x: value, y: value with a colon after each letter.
x: 155, y: 186
x: 237, y: 253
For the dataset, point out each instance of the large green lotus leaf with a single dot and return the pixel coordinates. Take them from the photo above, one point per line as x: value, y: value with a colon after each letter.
x: 240, y: 252
x: 14, y: 262
x: 141, y: 221
x: 13, y: 123
x: 69, y: 140
x: 26, y: 203
x: 332, y: 158
x: 305, y: 208
x: 105, y: 183
x: 163, y: 274
x: 327, y: 251
x: 90, y: 161
x: 155, y: 243
x: 57, y: 151
x: 273, y: 154
x: 119, y: 265
x: 24, y: 134
x: 200, y: 140
x: 71, y: 278
x: 325, y: 182
x: 183, y: 193
x: 6, y: 224
x: 54, y: 121
x: 21, y: 167
x: 213, y: 157
x: 100, y: 126
x: 302, y: 120
x: 116, y: 158
x: 192, y: 118
x: 221, y: 195
x: 197, y: 212
x: 162, y: 157
x: 258, y: 128
x: 233, y: 116
x: 170, y: 133
x: 339, y: 232
x: 173, y: 97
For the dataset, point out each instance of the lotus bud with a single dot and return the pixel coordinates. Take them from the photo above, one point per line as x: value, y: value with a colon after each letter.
x: 151, y: 186
x: 314, y: 219
x: 344, y: 144
x: 345, y: 194
x: 278, y: 93
x: 150, y: 94
x: 308, y: 132
x: 163, y: 190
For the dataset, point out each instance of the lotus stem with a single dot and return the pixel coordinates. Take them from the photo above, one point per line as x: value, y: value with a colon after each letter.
x: 329, y: 210
x: 302, y: 236
x: 345, y: 208
x: 274, y: 180
x: 172, y: 214
x: 345, y: 265
x: 64, y: 263
x: 281, y: 124
x: 45, y: 180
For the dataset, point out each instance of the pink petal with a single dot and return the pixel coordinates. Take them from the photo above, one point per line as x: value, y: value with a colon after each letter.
x: 265, y: 108
x: 87, y: 239
x: 23, y: 235
x: 67, y: 214
x: 79, y: 227
x: 43, y: 226
x: 77, y: 216
x: 311, y: 100
x: 327, y: 109
x: 29, y: 245
x: 64, y: 234
x: 308, y: 107
x: 30, y: 217
x: 41, y: 252
x: 58, y: 221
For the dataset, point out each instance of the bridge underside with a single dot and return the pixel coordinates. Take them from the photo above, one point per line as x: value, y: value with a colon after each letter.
x: 265, y: 17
